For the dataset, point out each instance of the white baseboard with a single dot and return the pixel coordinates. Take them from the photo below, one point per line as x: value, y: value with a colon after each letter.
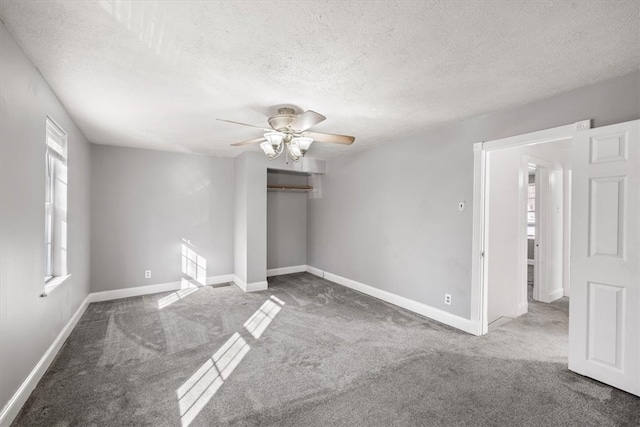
x: 250, y: 287
x: 12, y: 408
x: 557, y: 294
x: 257, y: 286
x: 151, y: 289
x: 523, y: 308
x: 466, y: 325
x: 216, y: 280
x: 240, y: 283
x: 286, y: 270
x: 315, y: 271
x: 134, y: 292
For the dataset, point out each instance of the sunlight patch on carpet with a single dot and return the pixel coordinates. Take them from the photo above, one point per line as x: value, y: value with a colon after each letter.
x: 196, y: 392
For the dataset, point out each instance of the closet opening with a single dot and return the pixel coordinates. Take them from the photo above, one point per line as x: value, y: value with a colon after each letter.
x: 287, y: 195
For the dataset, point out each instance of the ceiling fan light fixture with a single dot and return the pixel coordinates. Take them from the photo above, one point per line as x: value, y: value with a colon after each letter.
x: 274, y: 138
x: 294, y: 150
x: 304, y: 142
x: 268, y: 149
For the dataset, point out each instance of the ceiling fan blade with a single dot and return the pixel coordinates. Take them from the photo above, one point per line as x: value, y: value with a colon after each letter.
x: 330, y: 137
x: 306, y: 120
x: 239, y: 144
x: 245, y: 124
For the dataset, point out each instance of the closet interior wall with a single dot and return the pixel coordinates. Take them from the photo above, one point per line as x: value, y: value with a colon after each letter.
x: 286, y: 220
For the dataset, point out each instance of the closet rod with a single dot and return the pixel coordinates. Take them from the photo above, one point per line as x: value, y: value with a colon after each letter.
x: 289, y: 187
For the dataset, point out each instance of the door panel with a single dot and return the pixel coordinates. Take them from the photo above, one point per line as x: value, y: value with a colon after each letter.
x: 604, y: 323
x: 609, y: 148
x: 549, y: 234
x: 606, y: 216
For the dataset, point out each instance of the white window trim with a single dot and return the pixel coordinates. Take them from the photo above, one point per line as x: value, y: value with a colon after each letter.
x: 53, y: 283
x: 531, y: 236
x: 56, y: 145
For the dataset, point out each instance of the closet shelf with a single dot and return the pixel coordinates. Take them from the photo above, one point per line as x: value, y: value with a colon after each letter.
x: 289, y: 187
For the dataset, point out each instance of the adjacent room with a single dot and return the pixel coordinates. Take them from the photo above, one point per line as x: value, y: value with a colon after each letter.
x: 272, y: 213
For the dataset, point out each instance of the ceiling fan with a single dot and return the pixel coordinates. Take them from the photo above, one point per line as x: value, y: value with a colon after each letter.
x: 290, y: 131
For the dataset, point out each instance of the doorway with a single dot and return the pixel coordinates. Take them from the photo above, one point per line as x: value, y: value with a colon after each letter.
x: 605, y: 244
x: 531, y: 231
x: 526, y: 232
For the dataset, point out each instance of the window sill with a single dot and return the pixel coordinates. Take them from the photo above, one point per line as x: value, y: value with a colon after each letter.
x: 53, y: 284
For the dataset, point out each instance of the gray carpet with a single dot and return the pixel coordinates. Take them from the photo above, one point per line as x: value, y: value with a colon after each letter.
x: 308, y: 352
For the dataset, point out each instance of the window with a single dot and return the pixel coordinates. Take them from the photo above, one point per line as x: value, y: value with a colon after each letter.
x: 531, y: 211
x: 55, y: 206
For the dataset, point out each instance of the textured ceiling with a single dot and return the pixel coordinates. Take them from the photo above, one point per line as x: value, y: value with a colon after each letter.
x: 156, y: 74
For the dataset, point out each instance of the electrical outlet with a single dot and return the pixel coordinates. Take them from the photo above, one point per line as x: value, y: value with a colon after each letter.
x: 147, y: 274
x: 447, y: 299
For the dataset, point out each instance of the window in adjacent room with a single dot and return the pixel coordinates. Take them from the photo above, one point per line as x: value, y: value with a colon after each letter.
x: 55, y: 204
x: 531, y: 211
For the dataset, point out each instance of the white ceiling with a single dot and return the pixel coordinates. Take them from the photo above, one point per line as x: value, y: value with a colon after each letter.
x: 156, y: 74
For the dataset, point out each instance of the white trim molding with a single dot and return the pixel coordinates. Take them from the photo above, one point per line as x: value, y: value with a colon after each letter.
x: 556, y: 294
x: 250, y: 287
x: 286, y: 270
x: 257, y: 286
x: 315, y: 271
x: 558, y: 133
x: 12, y: 408
x: 466, y: 325
x: 523, y: 308
x: 478, y: 302
x: 216, y: 280
x: 134, y: 292
x: 53, y: 284
x: 153, y: 289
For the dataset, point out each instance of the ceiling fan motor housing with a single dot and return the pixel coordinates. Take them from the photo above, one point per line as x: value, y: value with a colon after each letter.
x: 283, y: 119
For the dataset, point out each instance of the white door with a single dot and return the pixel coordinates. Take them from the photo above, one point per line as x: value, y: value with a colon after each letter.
x: 548, y: 243
x: 604, y: 322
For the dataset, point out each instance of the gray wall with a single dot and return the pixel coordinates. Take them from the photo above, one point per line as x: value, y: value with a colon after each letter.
x: 29, y: 324
x: 286, y: 222
x: 144, y: 203
x: 388, y: 216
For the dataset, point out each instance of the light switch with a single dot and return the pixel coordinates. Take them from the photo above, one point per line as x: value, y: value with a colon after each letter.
x: 461, y: 205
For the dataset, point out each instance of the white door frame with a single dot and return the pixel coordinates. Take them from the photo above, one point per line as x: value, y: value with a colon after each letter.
x: 480, y: 254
